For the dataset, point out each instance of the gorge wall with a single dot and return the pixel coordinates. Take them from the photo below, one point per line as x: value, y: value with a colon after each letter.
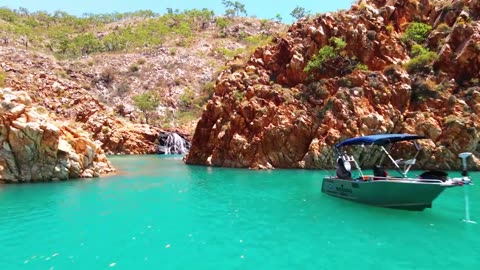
x: 271, y: 113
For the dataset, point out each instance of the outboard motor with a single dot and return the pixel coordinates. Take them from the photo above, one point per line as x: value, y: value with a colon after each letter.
x: 464, y: 157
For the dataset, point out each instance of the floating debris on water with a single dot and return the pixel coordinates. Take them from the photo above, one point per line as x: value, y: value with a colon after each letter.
x: 112, y: 264
x: 167, y: 246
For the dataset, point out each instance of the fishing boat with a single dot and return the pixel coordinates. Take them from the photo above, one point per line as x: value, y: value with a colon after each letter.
x: 375, y: 186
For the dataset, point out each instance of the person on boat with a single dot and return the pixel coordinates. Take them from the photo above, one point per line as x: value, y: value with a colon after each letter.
x: 343, y: 169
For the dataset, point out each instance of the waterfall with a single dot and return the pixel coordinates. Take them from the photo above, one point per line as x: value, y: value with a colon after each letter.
x: 170, y: 143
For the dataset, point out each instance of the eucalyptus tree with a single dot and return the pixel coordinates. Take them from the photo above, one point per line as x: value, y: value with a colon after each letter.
x: 146, y: 103
x: 299, y: 12
x: 234, y: 8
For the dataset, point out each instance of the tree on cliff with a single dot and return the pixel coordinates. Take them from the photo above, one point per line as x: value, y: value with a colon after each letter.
x: 234, y: 8
x: 299, y: 12
x: 146, y: 102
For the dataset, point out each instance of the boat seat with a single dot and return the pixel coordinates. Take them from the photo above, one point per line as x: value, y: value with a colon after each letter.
x: 435, y: 174
x: 379, y: 173
x: 344, y: 169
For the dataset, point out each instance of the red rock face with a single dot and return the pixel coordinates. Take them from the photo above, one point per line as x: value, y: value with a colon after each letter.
x: 35, y: 148
x: 271, y: 113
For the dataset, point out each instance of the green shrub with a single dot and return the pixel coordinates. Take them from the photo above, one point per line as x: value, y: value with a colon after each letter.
x: 345, y: 82
x: 229, y: 53
x: 422, y: 57
x: 186, y: 99
x: 223, y: 22
x: 390, y: 28
x: 443, y: 28
x: 421, y: 60
x: 324, y: 54
x: 423, y: 89
x: 361, y: 67
x: 326, y: 108
x: 61, y: 73
x: 417, y: 32
x: 338, y: 43
x: 391, y: 70
x: 452, y: 100
x: 239, y: 95
x: 208, y: 89
x: 3, y: 79
x: 318, y: 90
x: 133, y: 68
x: 451, y: 119
x: 185, y: 117
x: 258, y: 40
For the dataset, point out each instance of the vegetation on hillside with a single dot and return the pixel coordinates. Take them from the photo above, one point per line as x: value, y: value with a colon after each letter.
x: 70, y: 36
x: 74, y: 38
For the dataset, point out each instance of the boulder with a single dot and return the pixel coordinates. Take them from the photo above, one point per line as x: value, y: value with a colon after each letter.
x: 35, y: 148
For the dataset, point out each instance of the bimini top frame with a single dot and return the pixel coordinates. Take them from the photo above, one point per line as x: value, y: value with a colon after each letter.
x: 382, y: 140
x: 379, y: 139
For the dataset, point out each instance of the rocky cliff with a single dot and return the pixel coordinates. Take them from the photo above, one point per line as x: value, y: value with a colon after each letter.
x: 290, y: 102
x: 34, y: 148
x: 38, y: 75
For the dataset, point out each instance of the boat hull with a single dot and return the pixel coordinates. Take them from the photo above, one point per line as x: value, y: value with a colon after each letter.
x: 399, y: 194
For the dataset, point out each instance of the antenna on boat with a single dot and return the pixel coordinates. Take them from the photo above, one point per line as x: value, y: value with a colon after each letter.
x: 466, y: 179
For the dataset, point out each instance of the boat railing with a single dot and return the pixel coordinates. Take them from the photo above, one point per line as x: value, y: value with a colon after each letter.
x: 372, y: 178
x: 407, y: 164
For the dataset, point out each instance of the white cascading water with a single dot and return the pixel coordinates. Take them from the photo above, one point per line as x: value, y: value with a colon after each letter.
x: 174, y: 144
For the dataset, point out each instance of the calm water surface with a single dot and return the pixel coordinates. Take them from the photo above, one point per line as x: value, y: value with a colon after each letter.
x: 161, y: 214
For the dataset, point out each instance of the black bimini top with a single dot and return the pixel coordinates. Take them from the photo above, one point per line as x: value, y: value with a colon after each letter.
x: 379, y: 139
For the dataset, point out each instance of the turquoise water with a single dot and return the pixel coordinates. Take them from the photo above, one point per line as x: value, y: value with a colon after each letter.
x: 161, y: 214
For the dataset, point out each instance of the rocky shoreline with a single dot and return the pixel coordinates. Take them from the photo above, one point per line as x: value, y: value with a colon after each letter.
x: 35, y: 148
